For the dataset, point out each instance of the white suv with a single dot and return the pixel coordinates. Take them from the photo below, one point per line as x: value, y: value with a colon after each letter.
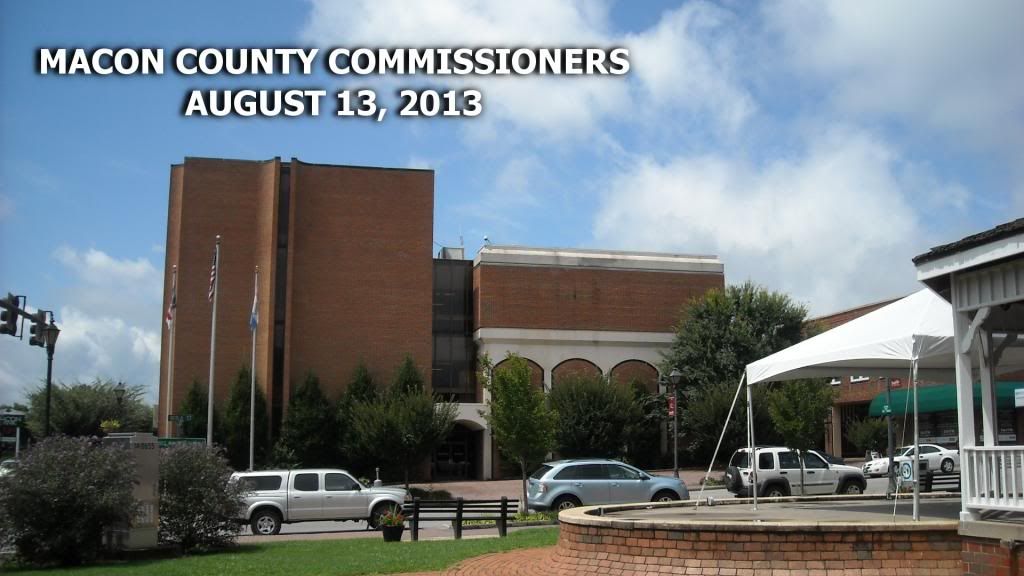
x: 778, y: 474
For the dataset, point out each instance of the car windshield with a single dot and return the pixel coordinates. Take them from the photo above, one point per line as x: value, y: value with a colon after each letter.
x: 540, y: 472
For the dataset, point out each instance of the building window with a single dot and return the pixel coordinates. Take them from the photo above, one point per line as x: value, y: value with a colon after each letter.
x: 835, y: 382
x: 857, y: 379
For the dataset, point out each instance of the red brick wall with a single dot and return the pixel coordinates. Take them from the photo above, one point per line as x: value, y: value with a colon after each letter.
x: 574, y: 366
x: 548, y: 297
x: 986, y: 557
x: 361, y: 272
x: 606, y: 550
x: 624, y: 373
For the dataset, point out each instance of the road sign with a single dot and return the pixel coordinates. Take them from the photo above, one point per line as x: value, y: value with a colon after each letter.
x: 906, y: 471
x: 11, y: 418
x: 886, y: 410
x: 180, y: 417
x: 671, y: 406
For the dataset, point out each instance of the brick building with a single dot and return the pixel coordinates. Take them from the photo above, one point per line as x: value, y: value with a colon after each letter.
x: 347, y: 275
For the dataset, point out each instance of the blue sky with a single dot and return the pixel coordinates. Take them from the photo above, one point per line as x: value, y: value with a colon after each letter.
x: 815, y: 147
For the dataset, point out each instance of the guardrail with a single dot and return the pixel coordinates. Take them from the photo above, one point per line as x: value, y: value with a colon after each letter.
x: 993, y: 477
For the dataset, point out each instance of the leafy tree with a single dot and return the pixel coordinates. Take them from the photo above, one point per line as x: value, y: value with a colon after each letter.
x: 78, y: 409
x: 236, y: 423
x: 361, y: 388
x: 403, y: 425
x: 868, y: 434
x: 198, y: 506
x: 408, y: 377
x: 593, y: 417
x: 643, y: 439
x: 798, y: 410
x: 309, y: 431
x: 702, y: 414
x: 65, y: 493
x: 195, y: 405
x: 723, y: 331
x: 521, y: 422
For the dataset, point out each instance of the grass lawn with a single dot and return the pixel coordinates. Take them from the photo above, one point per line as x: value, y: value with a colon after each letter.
x: 322, y: 557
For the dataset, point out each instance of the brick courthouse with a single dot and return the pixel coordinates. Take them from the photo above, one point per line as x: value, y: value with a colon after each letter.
x: 347, y: 274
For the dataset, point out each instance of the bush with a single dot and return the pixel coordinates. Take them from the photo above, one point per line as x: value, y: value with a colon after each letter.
x: 309, y: 434
x: 199, y: 507
x: 594, y: 417
x: 236, y: 423
x: 868, y: 434
x: 65, y: 493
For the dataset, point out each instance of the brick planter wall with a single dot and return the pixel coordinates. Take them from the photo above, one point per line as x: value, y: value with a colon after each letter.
x: 988, y: 557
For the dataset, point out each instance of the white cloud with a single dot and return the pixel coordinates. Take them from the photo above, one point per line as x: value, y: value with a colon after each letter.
x: 109, y: 321
x: 682, y: 62
x: 833, y: 226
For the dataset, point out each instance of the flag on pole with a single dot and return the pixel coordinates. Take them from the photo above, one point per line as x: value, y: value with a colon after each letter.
x: 174, y: 300
x: 254, y: 317
x: 213, y: 277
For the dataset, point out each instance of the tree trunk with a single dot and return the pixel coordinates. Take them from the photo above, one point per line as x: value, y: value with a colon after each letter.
x: 522, y: 501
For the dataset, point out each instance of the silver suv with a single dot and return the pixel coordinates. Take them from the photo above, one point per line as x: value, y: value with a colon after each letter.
x: 778, y: 474
x: 279, y: 497
x: 569, y: 483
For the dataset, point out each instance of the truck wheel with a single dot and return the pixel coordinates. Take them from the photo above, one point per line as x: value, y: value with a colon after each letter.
x: 380, y: 510
x: 851, y: 488
x: 265, y: 522
x: 775, y: 491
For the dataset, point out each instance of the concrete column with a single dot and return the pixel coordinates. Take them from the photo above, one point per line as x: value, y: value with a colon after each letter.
x: 487, y: 454
x: 964, y: 403
x: 989, y: 414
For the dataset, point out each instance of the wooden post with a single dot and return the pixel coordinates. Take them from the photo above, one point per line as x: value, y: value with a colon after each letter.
x: 502, y: 520
x: 415, y: 519
x: 458, y: 520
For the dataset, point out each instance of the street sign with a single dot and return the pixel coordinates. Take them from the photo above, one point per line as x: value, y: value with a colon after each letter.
x: 11, y: 418
x: 671, y: 406
x: 1018, y: 398
x: 906, y: 471
x: 165, y: 442
x: 180, y: 417
x: 886, y: 410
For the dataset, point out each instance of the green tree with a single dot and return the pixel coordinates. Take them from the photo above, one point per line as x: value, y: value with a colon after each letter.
x: 403, y: 425
x: 198, y: 505
x: 309, y: 435
x: 724, y: 330
x: 408, y: 377
x: 521, y: 422
x: 868, y: 434
x: 236, y: 423
x: 194, y: 405
x: 78, y: 409
x: 361, y: 388
x: 798, y: 410
x: 643, y: 439
x: 702, y: 414
x: 594, y: 417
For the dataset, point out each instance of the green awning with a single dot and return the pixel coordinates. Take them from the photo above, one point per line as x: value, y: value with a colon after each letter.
x: 940, y: 398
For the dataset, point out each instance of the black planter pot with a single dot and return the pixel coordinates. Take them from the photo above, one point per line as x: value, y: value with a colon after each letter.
x: 392, y: 533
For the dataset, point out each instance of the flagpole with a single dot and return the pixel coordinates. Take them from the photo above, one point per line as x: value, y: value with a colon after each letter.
x: 213, y: 343
x: 170, y: 353
x: 254, y: 321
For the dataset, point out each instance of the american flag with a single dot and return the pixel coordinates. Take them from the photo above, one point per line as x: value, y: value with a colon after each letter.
x: 213, y: 276
x: 174, y: 300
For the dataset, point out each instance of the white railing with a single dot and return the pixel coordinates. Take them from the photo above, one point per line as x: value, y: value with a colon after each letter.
x: 993, y: 477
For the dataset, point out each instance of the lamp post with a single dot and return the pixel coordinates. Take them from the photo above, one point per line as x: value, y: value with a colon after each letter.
x: 674, y: 378
x: 119, y: 395
x: 50, y: 334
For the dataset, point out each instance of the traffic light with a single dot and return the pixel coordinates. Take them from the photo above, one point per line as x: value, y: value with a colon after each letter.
x: 9, y: 315
x: 38, y: 329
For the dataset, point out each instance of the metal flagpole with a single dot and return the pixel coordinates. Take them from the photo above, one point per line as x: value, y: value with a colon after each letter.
x: 253, y: 322
x: 753, y: 453
x: 171, y: 311
x: 214, y: 284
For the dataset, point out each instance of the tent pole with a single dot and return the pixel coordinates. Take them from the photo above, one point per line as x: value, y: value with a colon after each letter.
x: 753, y: 455
x: 917, y: 446
x: 721, y: 436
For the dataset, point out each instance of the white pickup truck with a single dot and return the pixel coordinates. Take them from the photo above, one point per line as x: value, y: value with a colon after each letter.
x: 279, y: 497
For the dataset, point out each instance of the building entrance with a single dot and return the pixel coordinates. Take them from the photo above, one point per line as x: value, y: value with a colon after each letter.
x: 458, y: 458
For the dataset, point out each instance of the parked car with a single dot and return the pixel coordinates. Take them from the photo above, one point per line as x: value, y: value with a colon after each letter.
x: 566, y: 484
x: 778, y: 474
x: 939, y: 459
x: 8, y: 466
x: 285, y: 496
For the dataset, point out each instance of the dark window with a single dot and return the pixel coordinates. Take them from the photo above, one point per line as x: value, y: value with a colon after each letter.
x: 307, y: 482
x: 789, y: 461
x: 540, y: 472
x: 257, y: 483
x: 280, y: 299
x: 592, y: 472
x: 928, y: 450
x: 813, y: 461
x: 568, y: 473
x: 765, y: 461
x: 622, y: 473
x: 335, y: 481
x: 739, y: 459
x: 452, y: 371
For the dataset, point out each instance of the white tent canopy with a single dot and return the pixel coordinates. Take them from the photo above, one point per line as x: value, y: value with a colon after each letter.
x: 880, y: 343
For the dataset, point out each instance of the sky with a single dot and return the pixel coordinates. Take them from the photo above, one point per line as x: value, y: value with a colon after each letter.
x: 815, y: 147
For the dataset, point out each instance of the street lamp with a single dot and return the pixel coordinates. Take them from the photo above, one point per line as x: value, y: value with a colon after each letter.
x: 674, y: 378
x: 119, y: 395
x: 50, y: 334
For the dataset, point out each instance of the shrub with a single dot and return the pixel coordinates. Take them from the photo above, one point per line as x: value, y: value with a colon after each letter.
x: 64, y: 494
x: 309, y: 434
x: 236, y: 423
x: 868, y: 434
x: 594, y: 417
x: 199, y: 507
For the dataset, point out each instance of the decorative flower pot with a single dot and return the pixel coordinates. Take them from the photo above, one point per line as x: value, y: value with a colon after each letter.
x: 392, y: 533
